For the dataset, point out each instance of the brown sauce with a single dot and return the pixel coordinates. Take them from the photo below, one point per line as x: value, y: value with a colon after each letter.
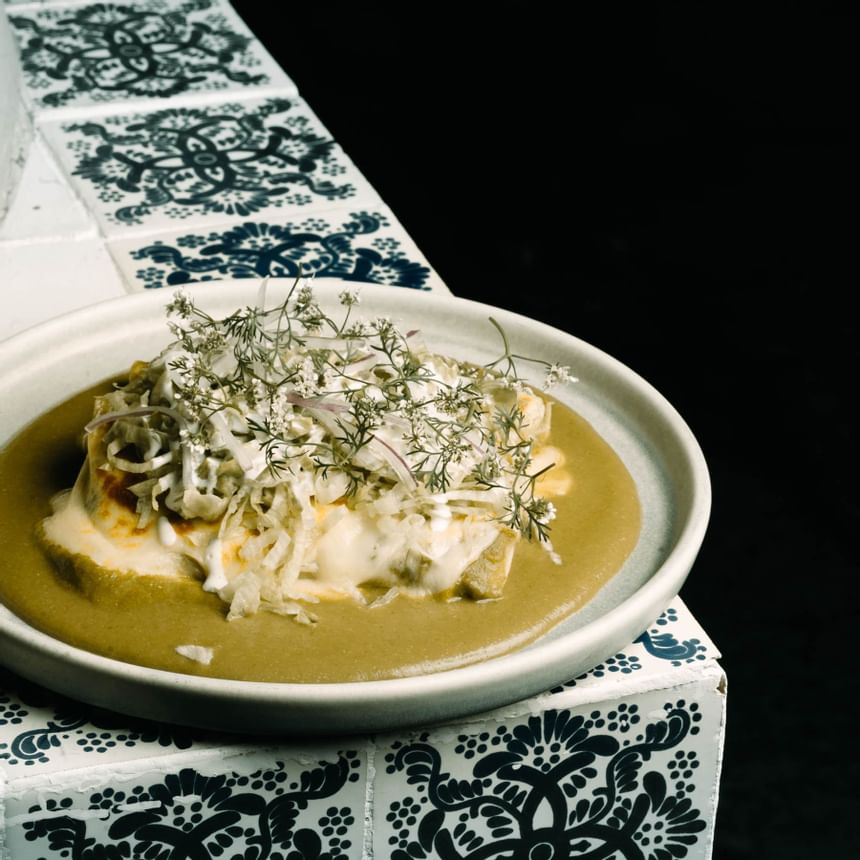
x: 596, y: 529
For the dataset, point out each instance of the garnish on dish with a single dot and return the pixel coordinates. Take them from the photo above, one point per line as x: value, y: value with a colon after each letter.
x: 282, y: 458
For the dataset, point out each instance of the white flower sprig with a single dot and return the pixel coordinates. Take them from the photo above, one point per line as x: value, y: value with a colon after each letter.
x: 556, y: 374
x: 295, y: 387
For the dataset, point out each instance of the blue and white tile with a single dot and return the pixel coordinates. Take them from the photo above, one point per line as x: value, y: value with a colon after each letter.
x: 635, y: 778
x: 368, y: 246
x: 104, y: 55
x: 206, y: 164
x: 262, y: 803
x: 44, y: 733
x: 673, y: 645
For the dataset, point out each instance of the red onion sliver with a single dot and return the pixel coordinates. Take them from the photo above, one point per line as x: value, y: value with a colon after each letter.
x: 316, y: 403
x: 397, y: 463
x: 132, y: 413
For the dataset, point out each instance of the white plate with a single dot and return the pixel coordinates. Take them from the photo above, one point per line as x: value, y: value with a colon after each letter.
x: 45, y: 365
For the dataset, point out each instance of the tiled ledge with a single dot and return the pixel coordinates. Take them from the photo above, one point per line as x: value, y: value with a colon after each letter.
x: 205, y: 164
x: 86, y: 59
x: 144, y: 175
x: 643, y: 732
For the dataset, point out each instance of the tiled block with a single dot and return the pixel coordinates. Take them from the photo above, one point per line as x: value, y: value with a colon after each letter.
x: 617, y: 763
x: 258, y: 802
x: 206, y: 164
x: 633, y: 777
x: 44, y: 206
x: 674, y: 641
x: 42, y: 733
x: 42, y: 280
x: 106, y: 54
x: 366, y: 246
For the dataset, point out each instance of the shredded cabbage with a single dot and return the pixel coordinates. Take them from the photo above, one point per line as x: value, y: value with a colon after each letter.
x: 308, y: 442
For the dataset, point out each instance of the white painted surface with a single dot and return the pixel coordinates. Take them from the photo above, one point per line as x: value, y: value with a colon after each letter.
x: 40, y: 280
x: 44, y: 207
x: 16, y: 130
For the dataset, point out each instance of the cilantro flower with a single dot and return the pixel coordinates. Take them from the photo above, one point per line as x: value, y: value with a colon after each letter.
x: 348, y: 298
x: 557, y: 374
x: 181, y: 305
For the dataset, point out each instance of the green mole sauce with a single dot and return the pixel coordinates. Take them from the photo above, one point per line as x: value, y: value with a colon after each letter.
x: 596, y: 529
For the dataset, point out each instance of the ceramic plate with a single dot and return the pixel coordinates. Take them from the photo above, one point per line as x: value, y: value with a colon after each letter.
x: 45, y: 365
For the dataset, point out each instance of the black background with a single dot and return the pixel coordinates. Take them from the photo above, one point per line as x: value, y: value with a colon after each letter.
x: 678, y: 187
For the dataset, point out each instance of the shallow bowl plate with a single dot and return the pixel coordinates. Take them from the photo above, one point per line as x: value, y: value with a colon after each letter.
x: 47, y: 364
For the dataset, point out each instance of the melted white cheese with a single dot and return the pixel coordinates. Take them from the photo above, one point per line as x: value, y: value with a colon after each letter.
x: 345, y: 550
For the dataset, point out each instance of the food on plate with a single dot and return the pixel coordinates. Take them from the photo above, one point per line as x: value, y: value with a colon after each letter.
x: 282, y: 458
x: 399, y: 504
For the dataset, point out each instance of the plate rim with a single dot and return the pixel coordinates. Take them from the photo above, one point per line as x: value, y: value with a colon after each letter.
x: 661, y: 587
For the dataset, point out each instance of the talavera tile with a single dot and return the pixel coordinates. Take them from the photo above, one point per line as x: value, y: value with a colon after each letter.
x: 607, y: 770
x: 266, y: 803
x: 105, y: 54
x: 367, y: 246
x: 629, y: 778
x: 672, y: 642
x: 44, y: 733
x: 206, y: 164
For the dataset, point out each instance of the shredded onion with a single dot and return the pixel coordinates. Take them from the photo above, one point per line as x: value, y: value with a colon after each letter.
x: 231, y: 443
x: 480, y: 496
x: 316, y: 403
x: 140, y: 412
x: 397, y: 463
x: 261, y: 295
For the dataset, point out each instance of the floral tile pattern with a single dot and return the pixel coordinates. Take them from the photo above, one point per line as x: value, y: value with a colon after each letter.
x: 674, y: 640
x: 619, y: 780
x: 273, y: 806
x: 103, y: 53
x: 41, y: 731
x: 632, y: 777
x: 365, y: 246
x: 206, y: 164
